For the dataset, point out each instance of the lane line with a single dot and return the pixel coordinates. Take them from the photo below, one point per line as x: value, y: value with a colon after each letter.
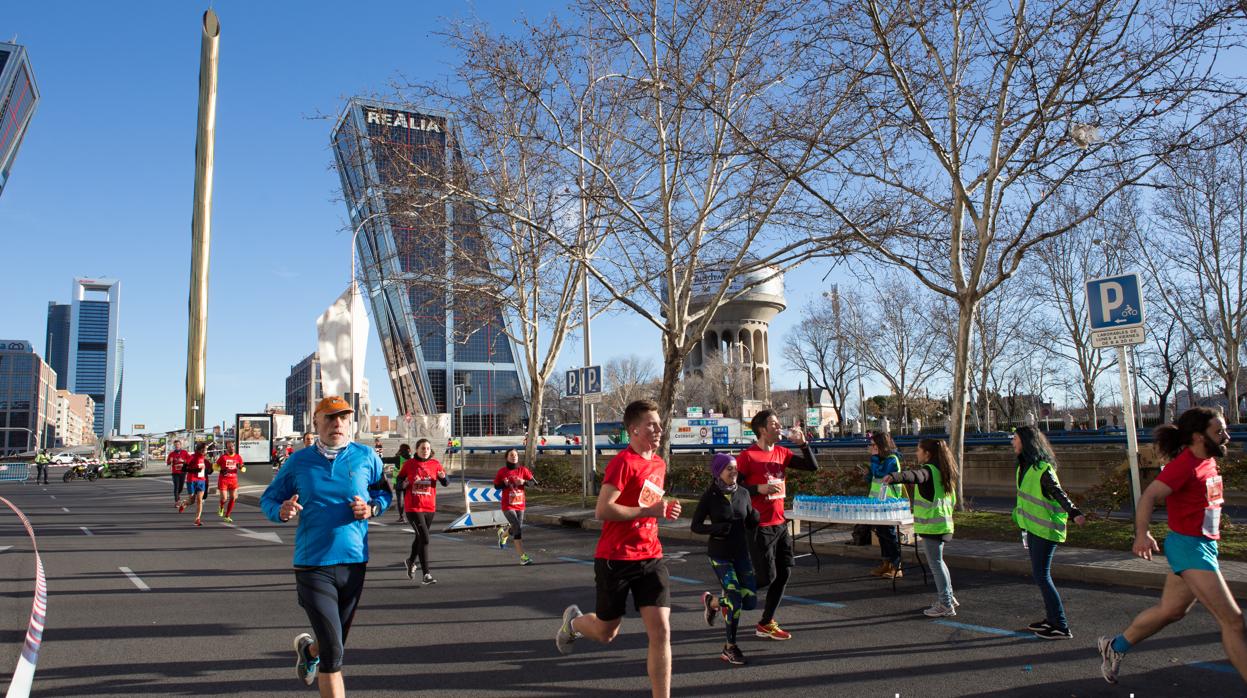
x: 52, y: 496
x: 5, y: 547
x: 376, y: 523
x: 86, y: 530
x: 684, y: 580
x: 135, y: 578
x: 576, y: 560
x: 446, y: 536
x: 812, y: 602
x: 65, y: 509
x: 986, y: 629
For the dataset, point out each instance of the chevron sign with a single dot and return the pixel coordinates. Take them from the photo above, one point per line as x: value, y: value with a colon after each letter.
x: 484, y: 494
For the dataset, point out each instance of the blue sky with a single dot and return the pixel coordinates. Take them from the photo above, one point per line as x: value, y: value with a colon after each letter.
x: 103, y: 183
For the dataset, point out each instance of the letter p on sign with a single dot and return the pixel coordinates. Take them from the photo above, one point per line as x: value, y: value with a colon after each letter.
x: 1111, y: 297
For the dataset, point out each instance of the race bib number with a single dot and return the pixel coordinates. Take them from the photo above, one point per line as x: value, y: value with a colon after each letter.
x: 422, y: 491
x: 1212, y: 513
x: 651, y: 494
x: 778, y: 493
x: 515, y: 498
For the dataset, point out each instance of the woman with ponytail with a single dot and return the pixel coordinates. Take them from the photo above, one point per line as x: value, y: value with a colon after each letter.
x: 1190, y: 484
x: 935, y: 497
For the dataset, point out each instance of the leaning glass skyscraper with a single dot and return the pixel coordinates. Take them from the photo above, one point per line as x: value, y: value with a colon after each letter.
x: 428, y: 341
x: 18, y: 97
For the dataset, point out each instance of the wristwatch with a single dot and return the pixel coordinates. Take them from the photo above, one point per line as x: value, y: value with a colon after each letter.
x: 376, y: 509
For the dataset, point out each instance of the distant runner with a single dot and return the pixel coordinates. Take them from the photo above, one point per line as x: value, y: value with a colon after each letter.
x: 228, y: 465
x: 512, y: 479
x: 176, y: 460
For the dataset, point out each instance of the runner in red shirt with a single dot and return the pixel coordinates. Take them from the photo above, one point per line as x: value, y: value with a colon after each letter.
x: 418, y: 479
x: 1191, y: 487
x: 177, y: 458
x: 628, y: 556
x: 761, y: 469
x: 512, y: 478
x: 228, y: 465
x: 196, y: 481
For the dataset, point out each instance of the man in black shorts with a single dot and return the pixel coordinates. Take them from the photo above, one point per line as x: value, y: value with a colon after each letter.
x: 629, y: 556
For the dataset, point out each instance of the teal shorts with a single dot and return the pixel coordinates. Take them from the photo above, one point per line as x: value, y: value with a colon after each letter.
x: 1191, y: 553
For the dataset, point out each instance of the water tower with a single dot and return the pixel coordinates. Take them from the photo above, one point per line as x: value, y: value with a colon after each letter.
x: 739, y: 332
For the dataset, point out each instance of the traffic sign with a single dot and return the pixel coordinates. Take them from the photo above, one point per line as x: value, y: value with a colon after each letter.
x: 573, y: 383
x: 1115, y: 310
x: 461, y: 396
x: 592, y: 382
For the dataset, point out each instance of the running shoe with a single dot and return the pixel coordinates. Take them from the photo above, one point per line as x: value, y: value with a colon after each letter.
x: 707, y: 604
x: 1110, y: 659
x: 229, y: 519
x: 504, y: 535
x: 939, y: 610
x: 198, y: 522
x: 181, y: 506
x: 428, y: 579
x: 732, y: 655
x: 525, y: 559
x: 1038, y: 625
x: 305, y: 665
x: 956, y: 603
x: 410, y: 565
x: 1051, y: 633
x: 220, y: 511
x: 564, y: 638
x: 773, y: 631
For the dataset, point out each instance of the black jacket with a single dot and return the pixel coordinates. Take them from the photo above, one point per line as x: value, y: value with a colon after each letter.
x: 728, y: 522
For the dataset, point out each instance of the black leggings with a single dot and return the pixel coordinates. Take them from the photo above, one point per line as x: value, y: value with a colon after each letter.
x: 329, y: 595
x: 515, y: 518
x: 179, y: 481
x: 422, y: 522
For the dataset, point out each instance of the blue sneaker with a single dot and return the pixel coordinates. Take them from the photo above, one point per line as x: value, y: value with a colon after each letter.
x: 306, y: 666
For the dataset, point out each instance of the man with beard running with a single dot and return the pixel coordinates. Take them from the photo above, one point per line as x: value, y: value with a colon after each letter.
x: 1191, y: 486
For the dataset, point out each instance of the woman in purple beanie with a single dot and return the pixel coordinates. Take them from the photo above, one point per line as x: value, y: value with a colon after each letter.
x: 729, y: 511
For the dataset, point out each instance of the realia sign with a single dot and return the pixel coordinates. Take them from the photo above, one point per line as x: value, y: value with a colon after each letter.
x: 399, y: 119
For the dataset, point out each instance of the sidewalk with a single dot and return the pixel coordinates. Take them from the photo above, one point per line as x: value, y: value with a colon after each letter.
x: 1107, y: 567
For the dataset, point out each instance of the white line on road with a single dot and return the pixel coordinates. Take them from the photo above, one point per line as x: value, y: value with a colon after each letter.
x: 247, y: 533
x: 86, y: 530
x: 4, y: 548
x: 65, y: 509
x: 52, y: 496
x: 135, y: 578
x: 376, y: 523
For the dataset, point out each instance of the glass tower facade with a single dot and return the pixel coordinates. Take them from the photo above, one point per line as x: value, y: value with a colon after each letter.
x: 56, y: 349
x: 18, y: 98
x: 95, y: 349
x: 303, y: 391
x: 27, y: 399
x: 427, y: 346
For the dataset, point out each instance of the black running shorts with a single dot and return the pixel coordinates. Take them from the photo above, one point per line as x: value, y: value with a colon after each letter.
x: 647, y: 580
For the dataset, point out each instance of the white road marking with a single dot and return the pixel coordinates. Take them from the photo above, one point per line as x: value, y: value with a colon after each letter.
x: 247, y: 533
x: 135, y: 578
x: 376, y: 523
x: 65, y: 509
x: 4, y: 548
x: 86, y: 530
x: 52, y: 496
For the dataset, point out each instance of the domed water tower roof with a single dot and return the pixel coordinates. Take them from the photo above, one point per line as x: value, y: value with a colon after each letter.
x: 761, y: 302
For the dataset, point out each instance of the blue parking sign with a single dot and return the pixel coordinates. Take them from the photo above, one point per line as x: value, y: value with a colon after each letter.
x: 1115, y: 302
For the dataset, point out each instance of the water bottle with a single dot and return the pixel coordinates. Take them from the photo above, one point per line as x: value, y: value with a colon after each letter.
x: 1025, y: 544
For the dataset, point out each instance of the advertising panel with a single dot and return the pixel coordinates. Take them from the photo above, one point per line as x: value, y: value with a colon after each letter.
x: 255, y: 437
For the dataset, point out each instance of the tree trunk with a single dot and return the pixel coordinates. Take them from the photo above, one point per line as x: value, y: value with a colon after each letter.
x: 673, y: 364
x: 1092, y: 412
x: 536, y: 385
x: 961, y: 378
x: 1231, y: 387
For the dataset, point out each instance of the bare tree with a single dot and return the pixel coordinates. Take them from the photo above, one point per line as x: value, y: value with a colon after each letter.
x: 718, y: 384
x: 892, y: 331
x: 625, y: 379
x: 1197, y: 254
x: 984, y: 110
x: 821, y: 347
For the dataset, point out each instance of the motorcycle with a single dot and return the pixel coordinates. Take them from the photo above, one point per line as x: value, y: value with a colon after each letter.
x: 81, y: 471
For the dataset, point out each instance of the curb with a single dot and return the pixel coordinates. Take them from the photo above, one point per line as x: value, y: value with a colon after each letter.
x: 1087, y: 574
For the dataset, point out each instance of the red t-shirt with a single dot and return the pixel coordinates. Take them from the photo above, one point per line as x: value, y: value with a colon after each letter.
x: 176, y: 459
x: 511, y: 482
x: 194, y: 467
x: 757, y: 467
x: 227, y: 465
x: 1194, y: 506
x: 421, y: 478
x: 635, y: 478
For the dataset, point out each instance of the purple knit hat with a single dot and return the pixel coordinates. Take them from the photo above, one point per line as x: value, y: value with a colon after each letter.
x: 719, y: 462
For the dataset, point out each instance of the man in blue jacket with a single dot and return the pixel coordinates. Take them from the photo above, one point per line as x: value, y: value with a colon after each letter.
x: 333, y: 488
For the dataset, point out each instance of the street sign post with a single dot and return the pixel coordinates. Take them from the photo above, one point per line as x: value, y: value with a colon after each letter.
x: 1115, y: 311
x: 573, y: 383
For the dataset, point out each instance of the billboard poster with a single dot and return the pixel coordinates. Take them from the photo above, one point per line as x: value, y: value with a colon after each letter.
x: 157, y: 447
x: 254, y: 433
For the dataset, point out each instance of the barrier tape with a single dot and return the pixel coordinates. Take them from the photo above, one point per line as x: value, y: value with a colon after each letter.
x: 24, y: 674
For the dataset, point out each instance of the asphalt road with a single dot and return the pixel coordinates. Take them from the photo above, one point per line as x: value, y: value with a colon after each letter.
x: 219, y: 612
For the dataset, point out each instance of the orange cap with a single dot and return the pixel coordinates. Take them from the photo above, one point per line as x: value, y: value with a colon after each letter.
x: 332, y: 404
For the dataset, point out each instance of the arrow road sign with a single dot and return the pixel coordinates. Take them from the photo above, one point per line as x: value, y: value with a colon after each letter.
x: 573, y: 383
x: 592, y: 380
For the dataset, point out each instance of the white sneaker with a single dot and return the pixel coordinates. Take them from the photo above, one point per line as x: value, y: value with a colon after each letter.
x: 939, y: 610
x: 564, y: 638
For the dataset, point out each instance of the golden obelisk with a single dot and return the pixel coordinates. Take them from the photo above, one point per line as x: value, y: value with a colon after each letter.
x: 201, y: 224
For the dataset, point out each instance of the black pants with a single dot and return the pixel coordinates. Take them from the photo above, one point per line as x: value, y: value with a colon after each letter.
x: 329, y: 595
x: 422, y: 522
x: 41, y: 473
x: 770, y: 548
x: 889, y: 544
x: 179, y: 481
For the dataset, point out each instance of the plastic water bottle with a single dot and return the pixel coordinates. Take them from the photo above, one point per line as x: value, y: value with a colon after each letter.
x: 1025, y: 544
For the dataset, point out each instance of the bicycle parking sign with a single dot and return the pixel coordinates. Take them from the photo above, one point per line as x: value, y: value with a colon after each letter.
x: 1115, y: 309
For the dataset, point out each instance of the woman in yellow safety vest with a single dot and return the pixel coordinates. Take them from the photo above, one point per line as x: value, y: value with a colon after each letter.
x: 884, y: 461
x: 1042, y: 512
x: 935, y: 497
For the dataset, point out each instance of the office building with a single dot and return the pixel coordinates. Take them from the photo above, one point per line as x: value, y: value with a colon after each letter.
x: 56, y: 344
x: 303, y: 391
x: 428, y: 349
x: 75, y: 419
x: 95, y: 349
x: 18, y: 98
x: 27, y: 399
